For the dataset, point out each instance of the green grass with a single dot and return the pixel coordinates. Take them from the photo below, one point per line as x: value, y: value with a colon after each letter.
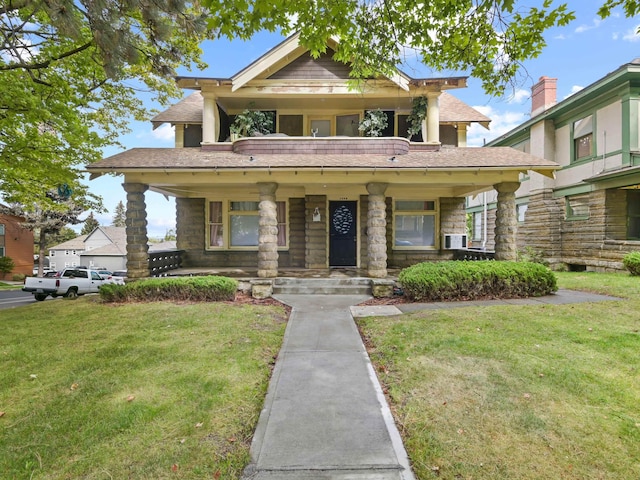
x: 153, y: 390
x: 526, y: 392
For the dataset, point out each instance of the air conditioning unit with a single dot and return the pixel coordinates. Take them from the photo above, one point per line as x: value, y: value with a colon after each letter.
x: 454, y: 241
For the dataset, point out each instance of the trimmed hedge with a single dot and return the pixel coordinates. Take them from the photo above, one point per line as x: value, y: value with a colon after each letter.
x: 465, y: 280
x: 193, y: 289
x: 631, y: 262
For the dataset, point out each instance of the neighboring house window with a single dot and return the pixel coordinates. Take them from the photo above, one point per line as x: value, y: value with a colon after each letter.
x: 633, y: 214
x: 52, y: 253
x: 521, y: 211
x: 415, y: 223
x: 477, y: 226
x: 2, y: 250
x: 241, y: 222
x: 66, y: 252
x: 577, y: 207
x: 583, y: 138
x: 52, y: 266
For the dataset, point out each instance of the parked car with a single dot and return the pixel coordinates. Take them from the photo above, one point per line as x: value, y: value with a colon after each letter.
x: 104, y: 273
x: 117, y: 276
x: 71, y: 283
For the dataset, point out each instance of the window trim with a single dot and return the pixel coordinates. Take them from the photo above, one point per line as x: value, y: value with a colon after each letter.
x: 432, y: 213
x: 579, y: 132
x: 629, y: 216
x: 226, y: 224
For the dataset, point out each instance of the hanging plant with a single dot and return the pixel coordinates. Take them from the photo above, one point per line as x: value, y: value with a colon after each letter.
x: 251, y: 122
x: 417, y: 116
x: 374, y: 123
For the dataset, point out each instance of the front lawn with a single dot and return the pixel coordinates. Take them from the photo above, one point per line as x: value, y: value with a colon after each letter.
x: 153, y: 390
x: 526, y: 392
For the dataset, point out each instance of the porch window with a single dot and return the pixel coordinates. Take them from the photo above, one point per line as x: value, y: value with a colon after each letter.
x: 2, y: 240
x: 415, y: 223
x: 240, y: 219
x: 477, y: 226
x: 577, y: 207
x: 582, y: 138
x: 521, y: 211
x: 633, y: 214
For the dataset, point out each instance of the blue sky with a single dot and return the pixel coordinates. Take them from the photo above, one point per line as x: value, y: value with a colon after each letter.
x: 577, y: 55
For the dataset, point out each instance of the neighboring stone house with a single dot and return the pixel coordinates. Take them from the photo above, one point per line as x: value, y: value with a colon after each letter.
x: 588, y: 217
x: 314, y: 193
x: 16, y: 243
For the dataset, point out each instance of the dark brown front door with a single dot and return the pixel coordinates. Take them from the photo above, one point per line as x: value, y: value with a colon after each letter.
x: 343, y: 228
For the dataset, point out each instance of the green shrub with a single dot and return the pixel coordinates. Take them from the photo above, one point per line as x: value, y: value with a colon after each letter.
x: 194, y: 289
x: 631, y: 262
x: 18, y: 277
x: 6, y: 265
x: 464, y: 280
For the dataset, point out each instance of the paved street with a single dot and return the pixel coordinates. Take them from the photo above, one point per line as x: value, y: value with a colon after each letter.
x: 15, y: 298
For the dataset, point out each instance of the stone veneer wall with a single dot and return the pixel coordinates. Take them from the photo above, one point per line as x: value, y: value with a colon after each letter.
x: 315, y: 239
x: 191, y: 237
x: 542, y: 227
x: 597, y: 243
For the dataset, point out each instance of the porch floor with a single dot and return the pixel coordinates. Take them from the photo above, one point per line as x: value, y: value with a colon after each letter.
x: 245, y: 273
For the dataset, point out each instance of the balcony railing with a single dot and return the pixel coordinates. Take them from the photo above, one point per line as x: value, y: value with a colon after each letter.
x: 162, y: 261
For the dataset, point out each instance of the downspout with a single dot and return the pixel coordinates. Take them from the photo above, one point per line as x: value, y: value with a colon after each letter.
x: 484, y: 221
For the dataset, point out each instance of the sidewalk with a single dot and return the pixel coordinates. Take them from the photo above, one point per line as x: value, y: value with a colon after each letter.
x: 325, y: 416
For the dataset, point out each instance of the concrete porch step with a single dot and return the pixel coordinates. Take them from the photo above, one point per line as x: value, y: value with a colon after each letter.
x: 322, y: 286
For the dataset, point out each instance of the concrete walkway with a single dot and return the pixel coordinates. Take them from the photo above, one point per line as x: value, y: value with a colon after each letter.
x: 325, y: 416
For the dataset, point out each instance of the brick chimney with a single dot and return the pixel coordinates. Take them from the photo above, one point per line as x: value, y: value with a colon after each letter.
x: 543, y: 95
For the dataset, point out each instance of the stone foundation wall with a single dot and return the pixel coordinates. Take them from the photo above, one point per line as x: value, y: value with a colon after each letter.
x: 595, y: 244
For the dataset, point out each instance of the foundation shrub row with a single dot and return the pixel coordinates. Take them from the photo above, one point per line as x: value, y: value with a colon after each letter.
x: 190, y: 289
x: 467, y: 280
x: 631, y: 262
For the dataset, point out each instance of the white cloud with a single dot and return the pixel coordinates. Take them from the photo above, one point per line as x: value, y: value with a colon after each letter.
x: 584, y: 27
x: 632, y: 35
x: 519, y: 96
x: 501, y: 123
x: 574, y: 89
x: 164, y: 132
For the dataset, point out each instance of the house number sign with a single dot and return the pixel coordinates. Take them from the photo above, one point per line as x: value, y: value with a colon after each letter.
x: 342, y: 220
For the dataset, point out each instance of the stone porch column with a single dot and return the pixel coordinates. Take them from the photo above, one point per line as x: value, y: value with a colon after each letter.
x: 377, y: 231
x: 433, y: 117
x: 506, y: 221
x: 136, y: 229
x: 268, y: 231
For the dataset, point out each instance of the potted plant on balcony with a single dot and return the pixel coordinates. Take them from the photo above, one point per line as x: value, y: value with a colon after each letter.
x: 251, y: 122
x: 417, y: 116
x: 374, y: 123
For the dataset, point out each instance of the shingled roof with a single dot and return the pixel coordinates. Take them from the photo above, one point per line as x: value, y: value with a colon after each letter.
x: 189, y: 111
x: 173, y: 159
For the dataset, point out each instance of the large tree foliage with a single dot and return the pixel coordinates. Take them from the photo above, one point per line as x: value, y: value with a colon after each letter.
x: 70, y: 77
x: 71, y: 70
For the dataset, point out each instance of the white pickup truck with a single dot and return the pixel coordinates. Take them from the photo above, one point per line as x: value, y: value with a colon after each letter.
x: 71, y: 283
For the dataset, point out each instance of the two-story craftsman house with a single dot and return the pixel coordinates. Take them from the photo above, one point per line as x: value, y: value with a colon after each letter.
x: 315, y: 193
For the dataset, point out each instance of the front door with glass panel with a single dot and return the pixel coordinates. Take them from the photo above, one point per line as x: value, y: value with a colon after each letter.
x: 343, y: 230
